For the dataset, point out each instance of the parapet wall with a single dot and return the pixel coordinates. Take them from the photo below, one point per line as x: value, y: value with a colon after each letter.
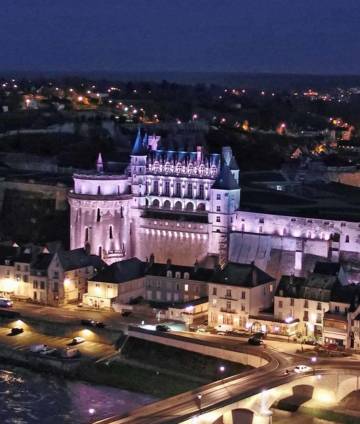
x: 203, y: 348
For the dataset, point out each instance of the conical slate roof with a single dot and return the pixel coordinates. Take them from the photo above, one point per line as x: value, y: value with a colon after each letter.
x: 233, y: 165
x: 139, y: 148
x: 225, y: 180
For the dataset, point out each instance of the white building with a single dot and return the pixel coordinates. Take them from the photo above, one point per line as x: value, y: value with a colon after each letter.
x: 238, y: 292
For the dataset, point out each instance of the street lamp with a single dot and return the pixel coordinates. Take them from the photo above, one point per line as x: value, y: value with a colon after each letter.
x: 199, y: 396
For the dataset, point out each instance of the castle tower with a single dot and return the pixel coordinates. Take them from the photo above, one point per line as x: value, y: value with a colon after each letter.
x: 224, y: 201
x: 138, y: 159
x: 100, y: 206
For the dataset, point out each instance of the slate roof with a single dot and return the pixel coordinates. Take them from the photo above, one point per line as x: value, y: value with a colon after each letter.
x: 241, y: 275
x: 195, y: 273
x: 7, y: 253
x: 14, y: 254
x: 327, y: 268
x: 42, y: 261
x: 139, y: 147
x: 346, y: 294
x: 78, y: 258
x: 233, y: 165
x: 315, y: 287
x: 290, y: 286
x: 122, y: 271
x: 225, y: 180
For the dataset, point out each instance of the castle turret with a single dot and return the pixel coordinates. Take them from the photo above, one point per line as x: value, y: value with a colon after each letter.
x: 99, y: 164
x: 138, y: 169
x: 224, y: 201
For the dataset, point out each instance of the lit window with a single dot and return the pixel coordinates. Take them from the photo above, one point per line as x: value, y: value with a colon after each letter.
x: 186, y: 287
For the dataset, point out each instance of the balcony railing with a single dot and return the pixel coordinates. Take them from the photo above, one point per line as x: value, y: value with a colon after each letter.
x: 228, y: 311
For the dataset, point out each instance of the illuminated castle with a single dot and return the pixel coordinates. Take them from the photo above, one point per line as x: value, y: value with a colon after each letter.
x: 185, y: 206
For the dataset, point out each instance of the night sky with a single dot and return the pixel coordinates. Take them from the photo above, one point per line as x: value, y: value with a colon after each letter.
x: 303, y: 36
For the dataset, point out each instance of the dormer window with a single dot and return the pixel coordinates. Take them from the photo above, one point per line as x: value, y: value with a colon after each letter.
x: 169, y: 274
x: 186, y: 275
x: 177, y: 274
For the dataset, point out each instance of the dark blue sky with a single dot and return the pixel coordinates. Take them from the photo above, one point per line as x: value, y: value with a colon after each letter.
x: 305, y: 36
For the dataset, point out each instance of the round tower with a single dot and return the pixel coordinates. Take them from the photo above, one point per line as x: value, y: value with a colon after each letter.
x: 99, y: 214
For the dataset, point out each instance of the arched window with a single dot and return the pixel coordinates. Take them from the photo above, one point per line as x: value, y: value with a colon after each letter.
x: 167, y: 204
x: 155, y: 203
x: 98, y: 215
x: 86, y: 234
x: 100, y: 251
x: 190, y: 206
x: 110, y: 232
x: 347, y: 239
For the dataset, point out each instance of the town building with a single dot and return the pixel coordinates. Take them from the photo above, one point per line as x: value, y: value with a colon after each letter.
x: 238, y: 292
x: 162, y: 285
x: 46, y: 278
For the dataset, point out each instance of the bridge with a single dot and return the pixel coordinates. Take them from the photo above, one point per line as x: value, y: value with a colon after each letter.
x: 246, y: 398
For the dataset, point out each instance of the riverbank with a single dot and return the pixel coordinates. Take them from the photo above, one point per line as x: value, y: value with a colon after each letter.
x: 144, y: 367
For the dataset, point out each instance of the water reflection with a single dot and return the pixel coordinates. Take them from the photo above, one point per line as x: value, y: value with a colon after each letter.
x: 29, y: 398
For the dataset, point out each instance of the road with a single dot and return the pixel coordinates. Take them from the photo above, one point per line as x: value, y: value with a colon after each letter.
x: 73, y: 314
x: 184, y: 406
x: 178, y: 408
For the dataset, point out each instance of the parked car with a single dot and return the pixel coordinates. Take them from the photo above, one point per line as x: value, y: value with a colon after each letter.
x: 48, y: 351
x: 77, y: 340
x: 259, y: 335
x: 162, y: 327
x: 16, y: 330
x: 36, y: 348
x: 302, y: 368
x: 69, y: 352
x: 255, y: 341
x: 5, y: 303
x: 92, y: 323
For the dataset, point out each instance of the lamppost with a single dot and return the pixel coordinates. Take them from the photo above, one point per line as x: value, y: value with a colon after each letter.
x: 222, y: 370
x: 199, y: 396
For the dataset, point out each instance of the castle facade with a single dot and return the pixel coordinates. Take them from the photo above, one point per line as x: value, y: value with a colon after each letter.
x: 185, y: 206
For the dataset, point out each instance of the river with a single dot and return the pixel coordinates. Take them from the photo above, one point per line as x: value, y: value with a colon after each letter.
x: 30, y: 398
